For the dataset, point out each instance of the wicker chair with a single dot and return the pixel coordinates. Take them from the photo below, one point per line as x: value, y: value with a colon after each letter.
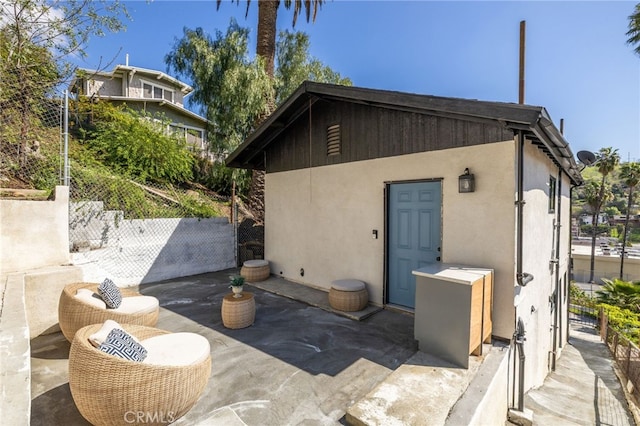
x: 74, y: 313
x: 106, y: 389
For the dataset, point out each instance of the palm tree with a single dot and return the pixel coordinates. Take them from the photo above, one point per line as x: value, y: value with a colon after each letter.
x: 634, y: 29
x: 266, y: 49
x: 267, y: 17
x: 606, y: 161
x: 624, y: 294
x: 630, y: 175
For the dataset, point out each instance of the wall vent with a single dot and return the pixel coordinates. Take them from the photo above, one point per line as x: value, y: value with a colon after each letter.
x: 333, y: 140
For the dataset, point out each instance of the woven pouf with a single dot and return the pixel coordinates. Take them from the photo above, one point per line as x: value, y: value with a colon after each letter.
x: 238, y: 312
x: 348, y: 295
x: 255, y: 270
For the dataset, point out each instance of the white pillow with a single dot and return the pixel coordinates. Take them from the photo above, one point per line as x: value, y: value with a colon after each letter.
x: 100, y: 336
x: 87, y: 296
x: 176, y: 349
x: 137, y: 305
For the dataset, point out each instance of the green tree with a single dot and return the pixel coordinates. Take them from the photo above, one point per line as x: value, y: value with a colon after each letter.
x: 22, y: 101
x: 266, y: 49
x: 231, y: 90
x: 267, y: 19
x: 36, y: 39
x: 634, y: 29
x: 295, y: 66
x: 606, y: 161
x: 630, y: 174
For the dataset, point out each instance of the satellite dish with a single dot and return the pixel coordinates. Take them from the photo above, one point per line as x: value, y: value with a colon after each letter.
x: 586, y: 157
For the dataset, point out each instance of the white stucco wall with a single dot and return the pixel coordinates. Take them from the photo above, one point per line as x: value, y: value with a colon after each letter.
x: 539, y: 247
x: 605, y: 267
x: 34, y: 234
x: 105, y: 86
x: 321, y: 219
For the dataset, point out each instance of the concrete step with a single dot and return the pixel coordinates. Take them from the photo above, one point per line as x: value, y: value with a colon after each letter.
x: 42, y: 293
x: 426, y: 390
x: 28, y: 308
x: 15, y: 367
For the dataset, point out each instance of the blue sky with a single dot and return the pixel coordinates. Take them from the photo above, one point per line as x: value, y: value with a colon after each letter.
x: 578, y: 65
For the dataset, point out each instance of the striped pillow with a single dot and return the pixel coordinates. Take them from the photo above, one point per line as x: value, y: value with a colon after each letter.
x: 122, y: 344
x: 110, y: 293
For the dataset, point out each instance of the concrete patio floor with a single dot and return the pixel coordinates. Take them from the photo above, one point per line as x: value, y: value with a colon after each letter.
x: 297, y: 364
x: 301, y: 363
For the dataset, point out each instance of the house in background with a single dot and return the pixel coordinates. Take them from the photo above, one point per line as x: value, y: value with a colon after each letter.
x: 364, y: 184
x: 149, y: 91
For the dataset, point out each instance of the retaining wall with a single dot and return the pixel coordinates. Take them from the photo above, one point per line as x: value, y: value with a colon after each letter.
x: 34, y: 234
x: 149, y: 250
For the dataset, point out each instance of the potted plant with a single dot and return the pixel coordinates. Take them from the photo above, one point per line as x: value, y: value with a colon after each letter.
x: 237, y: 281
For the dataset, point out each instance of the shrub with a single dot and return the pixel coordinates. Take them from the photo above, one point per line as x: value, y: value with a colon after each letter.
x: 138, y: 145
x: 623, y: 320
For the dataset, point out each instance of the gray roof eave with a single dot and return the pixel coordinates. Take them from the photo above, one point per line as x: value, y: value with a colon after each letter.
x: 558, y: 147
x: 160, y: 102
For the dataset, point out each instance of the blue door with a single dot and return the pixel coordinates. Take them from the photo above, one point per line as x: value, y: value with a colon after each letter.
x: 413, y: 235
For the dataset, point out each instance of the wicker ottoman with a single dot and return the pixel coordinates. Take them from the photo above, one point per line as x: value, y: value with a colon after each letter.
x: 348, y: 295
x: 238, y: 312
x: 255, y: 270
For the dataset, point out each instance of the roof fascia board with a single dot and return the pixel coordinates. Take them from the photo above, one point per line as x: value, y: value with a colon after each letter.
x: 124, y: 69
x: 558, y: 147
x: 271, y: 120
x: 160, y: 102
x: 267, y: 141
x: 464, y: 107
x: 159, y: 75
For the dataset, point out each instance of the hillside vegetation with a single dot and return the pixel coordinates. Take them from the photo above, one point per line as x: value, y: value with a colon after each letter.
x: 615, y: 205
x: 124, y: 159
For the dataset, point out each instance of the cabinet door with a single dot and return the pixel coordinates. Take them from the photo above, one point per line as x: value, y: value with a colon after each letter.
x: 475, y: 320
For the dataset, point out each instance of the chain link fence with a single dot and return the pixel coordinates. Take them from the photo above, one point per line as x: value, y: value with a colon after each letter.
x: 31, y: 135
x: 136, y: 232
x: 128, y: 229
x: 250, y: 240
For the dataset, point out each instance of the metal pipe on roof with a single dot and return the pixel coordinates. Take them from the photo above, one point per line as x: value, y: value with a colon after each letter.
x: 523, y: 26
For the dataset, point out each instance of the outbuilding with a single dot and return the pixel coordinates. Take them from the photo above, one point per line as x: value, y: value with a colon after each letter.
x: 373, y: 184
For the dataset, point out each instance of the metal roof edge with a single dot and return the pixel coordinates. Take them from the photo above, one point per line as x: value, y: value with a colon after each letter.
x: 273, y: 117
x: 159, y: 75
x: 557, y: 145
x: 164, y: 102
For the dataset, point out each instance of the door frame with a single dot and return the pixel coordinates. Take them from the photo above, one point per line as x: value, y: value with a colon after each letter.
x: 387, y: 185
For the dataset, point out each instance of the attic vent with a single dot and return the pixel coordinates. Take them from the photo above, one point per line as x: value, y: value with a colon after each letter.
x: 333, y: 140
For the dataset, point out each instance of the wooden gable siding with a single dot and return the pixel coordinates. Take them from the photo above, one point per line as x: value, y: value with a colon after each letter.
x: 369, y: 132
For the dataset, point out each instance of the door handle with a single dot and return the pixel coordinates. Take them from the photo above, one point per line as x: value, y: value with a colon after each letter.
x: 438, y: 249
x: 438, y: 259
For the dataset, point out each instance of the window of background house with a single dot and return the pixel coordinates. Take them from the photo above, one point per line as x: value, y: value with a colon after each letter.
x: 156, y: 92
x: 552, y: 194
x: 147, y: 90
